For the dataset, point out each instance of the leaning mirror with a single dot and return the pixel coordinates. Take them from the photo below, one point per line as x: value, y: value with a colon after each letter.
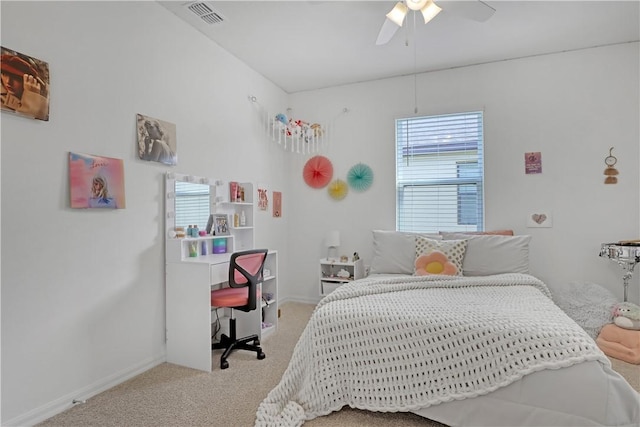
x: 188, y: 201
x: 192, y: 204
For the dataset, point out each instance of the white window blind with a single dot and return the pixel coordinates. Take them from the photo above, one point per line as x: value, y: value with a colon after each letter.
x: 192, y: 204
x: 440, y: 173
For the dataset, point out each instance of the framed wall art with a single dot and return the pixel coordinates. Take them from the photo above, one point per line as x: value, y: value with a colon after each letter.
x: 277, y: 204
x: 96, y: 182
x: 533, y: 162
x: 221, y: 224
x: 263, y: 198
x: 25, y: 85
x: 156, y: 140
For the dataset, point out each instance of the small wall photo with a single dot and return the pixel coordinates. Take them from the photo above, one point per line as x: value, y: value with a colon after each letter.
x: 533, y: 162
x: 263, y: 197
x: 25, y: 85
x: 157, y: 140
x: 277, y: 204
x: 96, y: 182
x: 221, y: 224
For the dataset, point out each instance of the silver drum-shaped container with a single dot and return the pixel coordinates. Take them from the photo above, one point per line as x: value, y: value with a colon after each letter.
x: 629, y: 253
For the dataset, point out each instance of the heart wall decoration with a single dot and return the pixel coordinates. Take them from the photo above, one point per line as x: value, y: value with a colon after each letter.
x: 540, y: 219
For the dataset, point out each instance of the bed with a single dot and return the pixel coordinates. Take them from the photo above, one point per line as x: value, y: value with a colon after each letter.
x: 485, y: 346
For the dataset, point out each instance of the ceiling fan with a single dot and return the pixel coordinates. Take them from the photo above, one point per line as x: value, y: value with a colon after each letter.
x: 476, y: 10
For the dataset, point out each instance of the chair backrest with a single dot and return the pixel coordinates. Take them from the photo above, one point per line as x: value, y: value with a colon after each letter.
x: 245, y: 269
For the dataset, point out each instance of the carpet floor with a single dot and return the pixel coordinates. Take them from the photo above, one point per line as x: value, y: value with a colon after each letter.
x: 171, y: 395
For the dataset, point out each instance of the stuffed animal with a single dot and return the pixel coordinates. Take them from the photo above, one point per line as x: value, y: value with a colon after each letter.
x: 297, y: 128
x: 281, y: 118
x: 282, y: 124
x: 292, y: 128
x: 304, y: 131
x: 317, y: 130
x: 343, y: 274
x: 627, y: 315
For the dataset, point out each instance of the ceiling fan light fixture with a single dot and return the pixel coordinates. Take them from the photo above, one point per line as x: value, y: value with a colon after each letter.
x: 430, y: 10
x: 398, y: 13
x: 417, y: 4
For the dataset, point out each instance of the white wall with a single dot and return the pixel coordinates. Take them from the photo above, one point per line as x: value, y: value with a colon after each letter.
x: 83, y: 291
x: 572, y: 107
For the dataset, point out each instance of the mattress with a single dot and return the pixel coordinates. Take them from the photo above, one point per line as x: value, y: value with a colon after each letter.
x: 588, y: 394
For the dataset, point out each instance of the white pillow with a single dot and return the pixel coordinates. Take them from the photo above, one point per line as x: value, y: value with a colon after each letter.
x: 394, y: 252
x: 494, y: 254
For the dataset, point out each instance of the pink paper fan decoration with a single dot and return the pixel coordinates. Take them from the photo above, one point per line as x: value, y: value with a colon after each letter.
x: 317, y: 172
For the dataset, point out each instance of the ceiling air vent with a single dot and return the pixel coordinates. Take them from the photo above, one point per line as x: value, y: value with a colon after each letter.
x: 206, y: 13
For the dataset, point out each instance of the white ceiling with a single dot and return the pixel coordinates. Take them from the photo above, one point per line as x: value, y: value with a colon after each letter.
x: 305, y: 45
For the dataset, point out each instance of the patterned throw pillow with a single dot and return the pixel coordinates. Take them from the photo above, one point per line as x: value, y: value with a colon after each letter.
x: 434, y: 263
x: 453, y: 251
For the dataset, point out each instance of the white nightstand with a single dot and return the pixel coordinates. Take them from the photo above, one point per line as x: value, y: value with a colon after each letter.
x: 331, y: 280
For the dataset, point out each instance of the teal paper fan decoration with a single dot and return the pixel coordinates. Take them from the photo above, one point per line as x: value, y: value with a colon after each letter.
x: 360, y: 177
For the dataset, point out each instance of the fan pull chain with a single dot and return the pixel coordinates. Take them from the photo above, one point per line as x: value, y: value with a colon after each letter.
x: 415, y: 67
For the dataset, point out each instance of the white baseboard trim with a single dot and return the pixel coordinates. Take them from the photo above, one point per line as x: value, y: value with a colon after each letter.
x: 63, y: 403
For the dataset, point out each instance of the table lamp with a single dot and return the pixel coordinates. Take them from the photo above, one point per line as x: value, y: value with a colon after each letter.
x: 332, y: 240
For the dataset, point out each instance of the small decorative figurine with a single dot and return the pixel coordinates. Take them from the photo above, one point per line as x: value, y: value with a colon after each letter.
x: 356, y: 256
x: 344, y: 274
x: 610, y: 171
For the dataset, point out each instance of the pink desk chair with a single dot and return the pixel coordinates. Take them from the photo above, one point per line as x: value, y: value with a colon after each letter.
x: 243, y: 293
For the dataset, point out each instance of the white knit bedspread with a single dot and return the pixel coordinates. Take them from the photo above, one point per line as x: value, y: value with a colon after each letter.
x: 399, y: 344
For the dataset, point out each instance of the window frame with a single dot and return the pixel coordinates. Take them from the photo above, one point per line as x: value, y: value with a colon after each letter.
x: 423, y: 145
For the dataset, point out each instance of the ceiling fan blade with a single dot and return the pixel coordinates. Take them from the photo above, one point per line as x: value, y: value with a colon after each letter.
x: 387, y: 31
x: 475, y: 10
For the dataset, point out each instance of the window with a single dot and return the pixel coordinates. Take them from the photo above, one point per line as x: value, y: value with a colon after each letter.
x: 440, y: 173
x: 192, y: 204
x: 467, y: 195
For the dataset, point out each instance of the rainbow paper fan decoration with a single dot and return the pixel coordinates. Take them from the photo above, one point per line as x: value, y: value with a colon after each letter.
x: 360, y: 177
x: 338, y: 189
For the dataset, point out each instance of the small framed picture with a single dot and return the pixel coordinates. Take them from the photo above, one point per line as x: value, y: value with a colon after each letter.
x: 157, y: 140
x: 96, y: 182
x: 221, y: 224
x: 277, y: 204
x: 25, y: 85
x: 533, y: 162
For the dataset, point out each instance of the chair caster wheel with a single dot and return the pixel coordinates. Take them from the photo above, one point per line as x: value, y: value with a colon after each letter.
x: 224, y: 364
x: 261, y: 355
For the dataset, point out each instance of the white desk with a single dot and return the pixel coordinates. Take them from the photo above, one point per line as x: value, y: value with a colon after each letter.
x: 188, y: 304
